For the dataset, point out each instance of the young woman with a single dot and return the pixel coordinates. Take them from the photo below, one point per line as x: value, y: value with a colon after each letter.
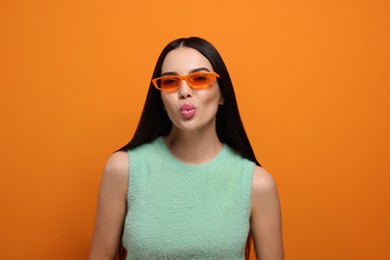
x: 188, y: 185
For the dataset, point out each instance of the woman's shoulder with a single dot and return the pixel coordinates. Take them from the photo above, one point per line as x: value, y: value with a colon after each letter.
x: 263, y: 184
x: 117, y: 161
x: 265, y: 198
x: 117, y: 167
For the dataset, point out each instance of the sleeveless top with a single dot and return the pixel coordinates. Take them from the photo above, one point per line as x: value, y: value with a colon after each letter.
x: 181, y: 211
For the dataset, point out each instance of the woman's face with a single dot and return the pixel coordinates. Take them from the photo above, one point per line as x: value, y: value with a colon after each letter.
x: 190, y: 109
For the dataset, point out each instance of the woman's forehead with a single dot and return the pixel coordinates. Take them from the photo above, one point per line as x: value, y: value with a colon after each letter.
x: 183, y: 60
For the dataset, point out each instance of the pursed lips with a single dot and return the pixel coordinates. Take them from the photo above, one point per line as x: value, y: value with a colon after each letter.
x: 187, y: 110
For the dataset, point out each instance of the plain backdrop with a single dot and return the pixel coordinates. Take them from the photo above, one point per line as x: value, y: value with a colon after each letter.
x: 312, y: 82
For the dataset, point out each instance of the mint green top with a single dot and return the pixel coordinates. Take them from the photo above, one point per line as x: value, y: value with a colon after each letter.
x: 182, y: 211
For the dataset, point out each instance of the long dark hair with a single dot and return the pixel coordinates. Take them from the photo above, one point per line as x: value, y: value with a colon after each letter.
x: 154, y: 121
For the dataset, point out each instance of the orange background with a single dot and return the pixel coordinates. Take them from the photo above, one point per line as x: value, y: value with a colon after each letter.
x: 312, y: 81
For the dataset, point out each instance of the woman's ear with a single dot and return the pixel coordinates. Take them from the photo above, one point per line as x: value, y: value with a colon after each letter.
x: 221, y: 100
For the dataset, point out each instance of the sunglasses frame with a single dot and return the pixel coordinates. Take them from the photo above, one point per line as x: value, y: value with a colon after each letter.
x: 185, y: 77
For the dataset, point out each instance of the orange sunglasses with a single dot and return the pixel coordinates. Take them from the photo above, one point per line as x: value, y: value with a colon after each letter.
x: 196, y: 80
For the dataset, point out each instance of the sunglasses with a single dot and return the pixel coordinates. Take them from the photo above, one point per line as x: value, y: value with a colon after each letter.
x: 196, y: 80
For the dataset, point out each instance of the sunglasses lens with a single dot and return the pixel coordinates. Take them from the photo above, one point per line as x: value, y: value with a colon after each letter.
x: 168, y: 83
x: 200, y: 80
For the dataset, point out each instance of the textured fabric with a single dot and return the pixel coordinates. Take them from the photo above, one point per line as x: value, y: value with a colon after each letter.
x: 182, y: 211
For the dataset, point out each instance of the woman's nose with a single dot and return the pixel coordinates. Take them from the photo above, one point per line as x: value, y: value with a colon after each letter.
x: 185, y: 90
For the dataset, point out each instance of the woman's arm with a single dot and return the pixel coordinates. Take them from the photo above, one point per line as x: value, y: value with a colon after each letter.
x: 266, y: 226
x: 111, y: 208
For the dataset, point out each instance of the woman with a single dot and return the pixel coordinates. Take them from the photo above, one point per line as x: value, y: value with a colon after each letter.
x: 188, y: 185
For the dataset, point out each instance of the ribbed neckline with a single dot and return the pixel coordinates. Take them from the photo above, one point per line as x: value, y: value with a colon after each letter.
x: 220, y: 157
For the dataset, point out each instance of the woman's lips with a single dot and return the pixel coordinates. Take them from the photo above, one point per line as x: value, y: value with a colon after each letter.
x: 187, y: 110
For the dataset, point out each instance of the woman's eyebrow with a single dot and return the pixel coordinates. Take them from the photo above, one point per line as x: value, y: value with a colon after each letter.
x: 169, y: 73
x: 199, y: 69
x: 192, y: 71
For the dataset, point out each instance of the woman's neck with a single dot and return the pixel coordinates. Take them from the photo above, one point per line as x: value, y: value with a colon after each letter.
x: 193, y: 147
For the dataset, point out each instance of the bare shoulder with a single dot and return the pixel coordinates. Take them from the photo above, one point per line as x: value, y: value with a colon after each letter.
x: 263, y: 181
x: 111, y: 208
x: 264, y: 188
x: 116, y: 170
x: 117, y: 163
x: 266, y: 221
